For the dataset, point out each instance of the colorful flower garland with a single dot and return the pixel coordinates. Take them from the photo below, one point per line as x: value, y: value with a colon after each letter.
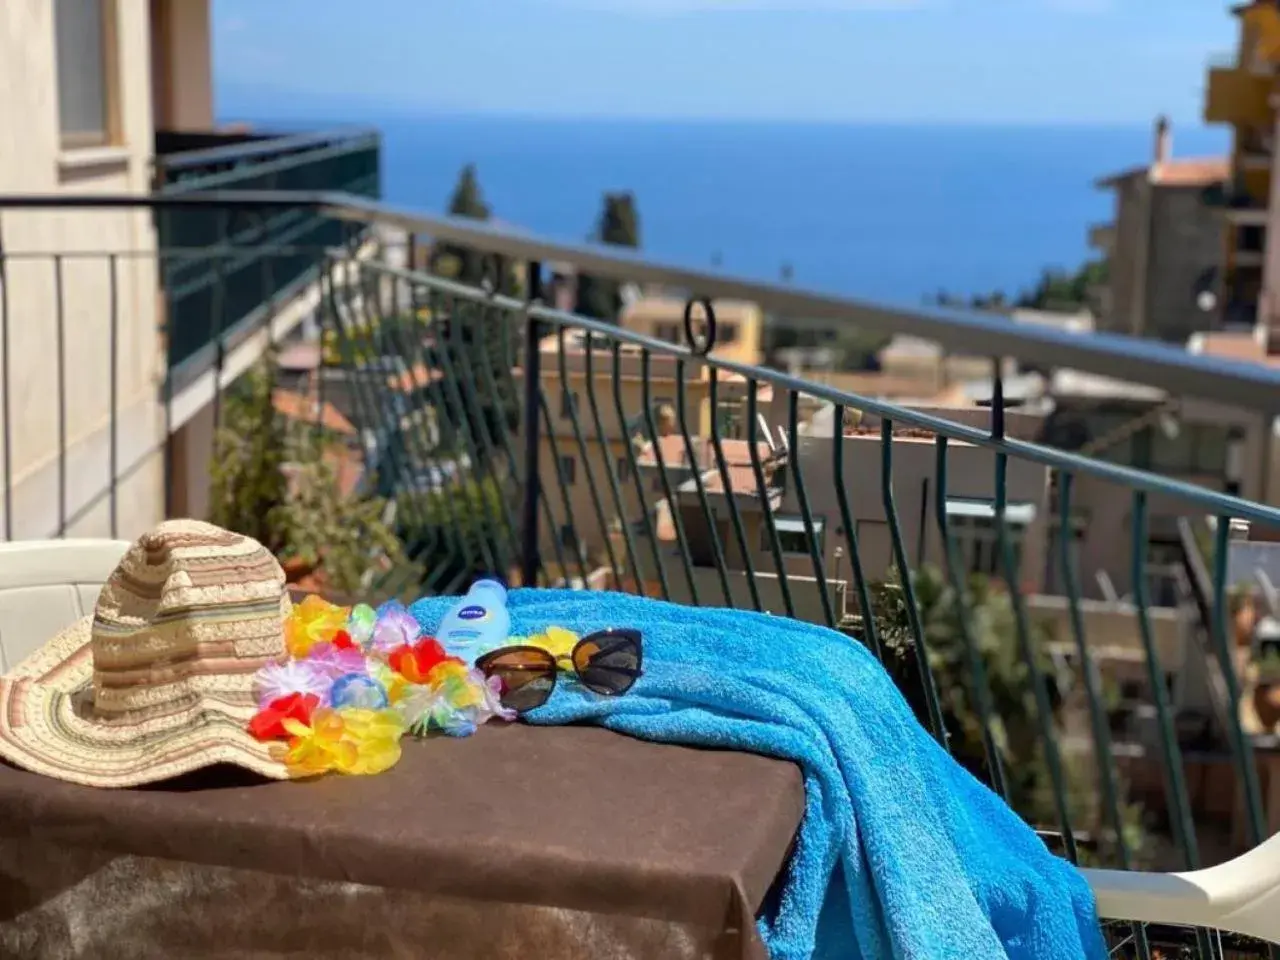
x: 356, y: 681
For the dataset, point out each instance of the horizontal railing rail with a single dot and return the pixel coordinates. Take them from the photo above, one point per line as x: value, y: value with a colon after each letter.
x: 344, y: 160
x: 492, y: 433
x: 1238, y: 384
x: 253, y: 147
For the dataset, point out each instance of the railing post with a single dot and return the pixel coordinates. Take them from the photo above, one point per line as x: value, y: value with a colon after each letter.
x: 529, y: 558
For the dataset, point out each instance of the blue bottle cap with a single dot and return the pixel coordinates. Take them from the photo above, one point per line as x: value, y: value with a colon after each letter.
x: 492, y: 583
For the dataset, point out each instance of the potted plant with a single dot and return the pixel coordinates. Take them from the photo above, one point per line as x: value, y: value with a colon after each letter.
x: 276, y: 480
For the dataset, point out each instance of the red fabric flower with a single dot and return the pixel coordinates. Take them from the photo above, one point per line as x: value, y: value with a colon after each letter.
x: 268, y: 723
x: 415, y: 662
x: 342, y: 640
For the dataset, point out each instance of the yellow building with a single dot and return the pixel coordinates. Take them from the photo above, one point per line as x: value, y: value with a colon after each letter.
x: 739, y: 325
x: 570, y: 471
x: 1241, y: 93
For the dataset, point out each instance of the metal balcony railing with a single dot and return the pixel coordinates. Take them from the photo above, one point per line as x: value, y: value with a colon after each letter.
x: 495, y: 434
x: 208, y: 297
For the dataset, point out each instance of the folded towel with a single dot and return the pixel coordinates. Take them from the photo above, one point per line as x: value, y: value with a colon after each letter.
x: 901, y: 852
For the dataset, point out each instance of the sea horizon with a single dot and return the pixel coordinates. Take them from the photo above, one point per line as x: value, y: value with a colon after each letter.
x: 888, y: 211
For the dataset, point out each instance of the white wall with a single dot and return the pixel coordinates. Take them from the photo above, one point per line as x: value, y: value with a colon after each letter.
x: 32, y: 161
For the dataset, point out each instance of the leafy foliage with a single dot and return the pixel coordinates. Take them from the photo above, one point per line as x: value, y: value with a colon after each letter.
x: 345, y: 535
x: 275, y: 480
x: 474, y: 344
x: 619, y: 226
x: 465, y: 264
x: 1057, y: 291
x: 449, y: 530
x: 249, y: 484
x: 1015, y: 728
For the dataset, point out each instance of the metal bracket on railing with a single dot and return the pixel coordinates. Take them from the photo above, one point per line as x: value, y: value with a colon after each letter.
x: 704, y: 346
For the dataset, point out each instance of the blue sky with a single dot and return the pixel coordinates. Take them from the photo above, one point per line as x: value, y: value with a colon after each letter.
x: 998, y: 61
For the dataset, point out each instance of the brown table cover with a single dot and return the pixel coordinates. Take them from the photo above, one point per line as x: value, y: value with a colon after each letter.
x: 520, y: 841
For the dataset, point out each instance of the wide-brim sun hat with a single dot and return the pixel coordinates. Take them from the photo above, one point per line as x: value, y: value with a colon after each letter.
x: 159, y: 681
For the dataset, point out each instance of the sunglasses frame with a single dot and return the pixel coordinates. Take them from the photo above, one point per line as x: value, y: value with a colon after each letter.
x: 626, y: 633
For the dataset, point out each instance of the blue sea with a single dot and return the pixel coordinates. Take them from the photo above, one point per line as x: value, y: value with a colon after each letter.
x: 886, y: 212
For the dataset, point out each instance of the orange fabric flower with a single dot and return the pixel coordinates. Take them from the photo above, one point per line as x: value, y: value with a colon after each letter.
x: 268, y: 723
x: 415, y: 662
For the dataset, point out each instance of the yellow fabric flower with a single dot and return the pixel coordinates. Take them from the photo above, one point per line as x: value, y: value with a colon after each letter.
x: 352, y: 741
x: 313, y: 621
x: 452, y: 679
x: 557, y: 641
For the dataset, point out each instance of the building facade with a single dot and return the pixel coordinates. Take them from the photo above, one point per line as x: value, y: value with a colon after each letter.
x: 1164, y: 245
x: 739, y: 325
x: 84, y: 85
x: 1240, y: 93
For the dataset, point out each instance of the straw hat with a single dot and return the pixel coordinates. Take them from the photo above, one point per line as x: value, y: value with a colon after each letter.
x: 159, y: 681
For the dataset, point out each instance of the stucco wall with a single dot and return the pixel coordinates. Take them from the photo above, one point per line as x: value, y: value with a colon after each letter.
x: 1186, y: 240
x: 32, y: 161
x: 1127, y: 257
x: 184, y: 65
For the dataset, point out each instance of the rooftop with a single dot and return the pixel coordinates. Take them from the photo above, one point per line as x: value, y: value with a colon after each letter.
x: 1184, y: 172
x: 1075, y: 383
x: 295, y: 406
x: 737, y: 453
x: 1233, y: 345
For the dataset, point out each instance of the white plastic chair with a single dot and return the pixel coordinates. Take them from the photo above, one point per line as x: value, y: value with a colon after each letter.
x: 1239, y: 896
x: 46, y: 584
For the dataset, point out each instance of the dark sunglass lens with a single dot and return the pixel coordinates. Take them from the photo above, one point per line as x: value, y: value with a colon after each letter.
x: 608, y: 664
x: 527, y: 679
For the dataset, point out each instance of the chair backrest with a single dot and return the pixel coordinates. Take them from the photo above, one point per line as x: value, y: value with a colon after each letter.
x: 46, y: 585
x: 1239, y: 896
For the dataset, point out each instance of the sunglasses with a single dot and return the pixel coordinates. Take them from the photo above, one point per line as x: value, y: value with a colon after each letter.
x: 607, y: 662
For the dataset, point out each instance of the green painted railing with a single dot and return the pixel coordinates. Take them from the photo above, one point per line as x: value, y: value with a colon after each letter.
x: 208, y: 296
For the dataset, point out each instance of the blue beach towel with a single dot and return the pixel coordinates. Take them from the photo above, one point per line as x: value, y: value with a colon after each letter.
x: 901, y: 852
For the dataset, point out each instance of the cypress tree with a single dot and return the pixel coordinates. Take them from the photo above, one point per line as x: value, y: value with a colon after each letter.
x: 619, y: 225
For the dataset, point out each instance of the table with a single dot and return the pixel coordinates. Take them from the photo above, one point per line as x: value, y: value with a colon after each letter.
x: 519, y: 841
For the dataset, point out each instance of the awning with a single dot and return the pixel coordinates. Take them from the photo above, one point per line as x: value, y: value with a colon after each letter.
x: 1019, y: 513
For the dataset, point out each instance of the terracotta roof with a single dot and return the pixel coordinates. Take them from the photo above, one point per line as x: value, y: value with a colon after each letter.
x: 297, y: 407
x: 348, y: 469
x: 1184, y: 172
x: 1192, y: 172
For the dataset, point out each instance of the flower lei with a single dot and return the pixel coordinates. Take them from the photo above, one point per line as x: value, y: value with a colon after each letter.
x: 356, y: 681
